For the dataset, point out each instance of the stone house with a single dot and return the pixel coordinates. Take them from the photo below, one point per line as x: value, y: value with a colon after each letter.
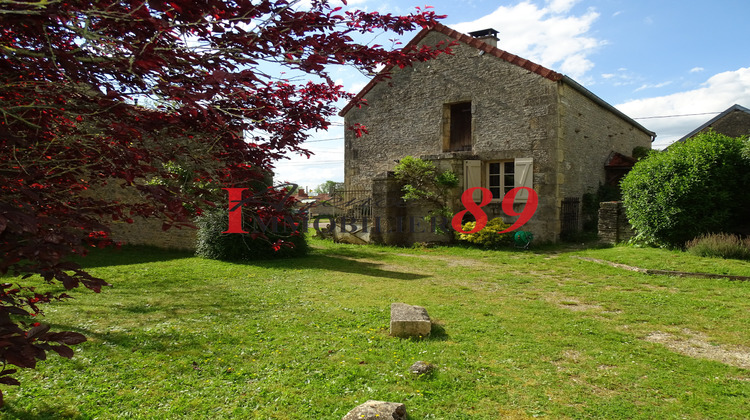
x: 498, y: 121
x: 733, y: 122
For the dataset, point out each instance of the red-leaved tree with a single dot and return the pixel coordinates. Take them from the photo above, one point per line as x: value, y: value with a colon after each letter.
x: 96, y: 93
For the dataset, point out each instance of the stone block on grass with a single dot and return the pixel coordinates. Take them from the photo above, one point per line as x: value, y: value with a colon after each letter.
x: 409, y: 321
x: 421, y: 368
x: 377, y: 410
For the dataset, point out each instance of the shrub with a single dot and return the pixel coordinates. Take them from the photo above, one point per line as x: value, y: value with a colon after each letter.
x: 426, y: 184
x: 640, y: 152
x: 488, y: 236
x: 692, y: 188
x: 279, y: 240
x: 721, y: 245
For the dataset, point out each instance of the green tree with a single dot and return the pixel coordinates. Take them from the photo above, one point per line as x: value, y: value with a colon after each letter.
x: 326, y: 187
x: 425, y: 183
x: 230, y: 87
x: 692, y: 188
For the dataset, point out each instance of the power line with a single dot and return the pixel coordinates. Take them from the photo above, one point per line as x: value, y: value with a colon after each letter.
x: 331, y: 139
x: 679, y: 115
x: 325, y: 162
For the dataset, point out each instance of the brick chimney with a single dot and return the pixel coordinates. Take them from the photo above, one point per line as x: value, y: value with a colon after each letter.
x: 489, y: 36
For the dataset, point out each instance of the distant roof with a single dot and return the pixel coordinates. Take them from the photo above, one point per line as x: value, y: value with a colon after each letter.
x: 710, y: 122
x: 503, y: 55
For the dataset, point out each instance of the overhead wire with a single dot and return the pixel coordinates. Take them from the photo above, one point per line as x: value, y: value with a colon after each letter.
x: 677, y: 115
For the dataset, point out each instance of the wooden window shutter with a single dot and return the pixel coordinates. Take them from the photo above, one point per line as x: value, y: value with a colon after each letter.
x: 460, y: 126
x: 473, y: 178
x: 524, y: 177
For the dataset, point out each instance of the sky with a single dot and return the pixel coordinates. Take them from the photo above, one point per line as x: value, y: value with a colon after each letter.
x: 670, y: 65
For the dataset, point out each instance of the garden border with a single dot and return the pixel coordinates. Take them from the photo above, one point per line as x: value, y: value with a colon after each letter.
x: 664, y: 272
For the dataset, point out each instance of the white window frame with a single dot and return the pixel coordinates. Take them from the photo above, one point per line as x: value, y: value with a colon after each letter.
x: 503, y: 174
x: 476, y: 174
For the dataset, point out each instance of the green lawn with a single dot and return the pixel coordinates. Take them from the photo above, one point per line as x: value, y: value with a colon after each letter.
x: 516, y: 334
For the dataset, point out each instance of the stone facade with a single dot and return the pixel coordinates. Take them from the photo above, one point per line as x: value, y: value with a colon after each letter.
x: 520, y: 113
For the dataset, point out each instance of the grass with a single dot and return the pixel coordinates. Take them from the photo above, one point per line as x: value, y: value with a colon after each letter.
x: 673, y: 260
x: 720, y: 245
x: 517, y: 334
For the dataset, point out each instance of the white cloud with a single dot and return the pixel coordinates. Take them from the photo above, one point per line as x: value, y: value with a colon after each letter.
x: 697, y: 69
x: 324, y: 165
x: 356, y: 87
x: 653, y: 86
x: 717, y: 94
x: 622, y: 77
x: 561, y: 6
x: 549, y: 35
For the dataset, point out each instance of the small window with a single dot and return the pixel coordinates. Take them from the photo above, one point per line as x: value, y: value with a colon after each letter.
x: 457, y: 128
x: 500, y: 178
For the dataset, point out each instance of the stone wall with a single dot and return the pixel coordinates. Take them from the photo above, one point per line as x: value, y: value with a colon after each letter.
x: 143, y: 231
x: 516, y: 114
x: 513, y: 112
x: 589, y: 134
x: 734, y: 124
x: 149, y: 232
x: 395, y: 222
x: 613, y: 224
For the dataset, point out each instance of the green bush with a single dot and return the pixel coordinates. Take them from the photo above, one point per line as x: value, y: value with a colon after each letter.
x: 692, y: 188
x: 488, y: 236
x: 423, y: 182
x: 721, y: 245
x: 279, y: 241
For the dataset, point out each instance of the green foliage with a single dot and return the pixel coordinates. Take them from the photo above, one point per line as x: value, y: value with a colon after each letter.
x: 488, y: 237
x: 181, y: 175
x: 447, y: 179
x: 640, y: 152
x: 692, y: 188
x: 720, y: 245
x: 326, y: 187
x: 590, y: 206
x: 280, y: 240
x: 424, y: 183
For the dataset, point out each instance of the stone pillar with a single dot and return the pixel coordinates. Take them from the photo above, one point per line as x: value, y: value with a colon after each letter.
x: 389, y: 224
x: 613, y: 224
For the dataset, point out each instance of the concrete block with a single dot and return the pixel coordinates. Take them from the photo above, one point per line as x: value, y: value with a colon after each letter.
x: 409, y: 321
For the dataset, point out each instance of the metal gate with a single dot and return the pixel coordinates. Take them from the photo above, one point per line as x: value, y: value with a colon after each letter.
x: 570, y: 217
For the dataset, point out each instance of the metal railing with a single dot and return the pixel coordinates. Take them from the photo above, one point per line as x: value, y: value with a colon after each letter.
x: 355, y: 204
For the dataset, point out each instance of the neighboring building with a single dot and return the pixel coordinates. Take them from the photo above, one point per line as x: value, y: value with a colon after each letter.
x: 499, y: 121
x: 316, y: 205
x: 734, y: 122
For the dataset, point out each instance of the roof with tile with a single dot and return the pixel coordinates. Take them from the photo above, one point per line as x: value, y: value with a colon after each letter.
x: 479, y: 44
x: 466, y: 39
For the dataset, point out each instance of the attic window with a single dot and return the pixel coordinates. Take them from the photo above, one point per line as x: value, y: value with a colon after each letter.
x: 457, y: 127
